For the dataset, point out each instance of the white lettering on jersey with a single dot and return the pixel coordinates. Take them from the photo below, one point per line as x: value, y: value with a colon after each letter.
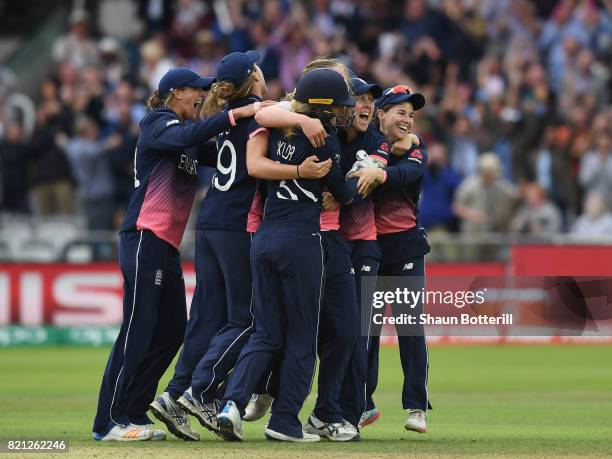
x: 188, y: 164
x: 285, y: 150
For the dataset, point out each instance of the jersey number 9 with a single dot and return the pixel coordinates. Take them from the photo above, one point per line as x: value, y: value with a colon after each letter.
x: 227, y: 171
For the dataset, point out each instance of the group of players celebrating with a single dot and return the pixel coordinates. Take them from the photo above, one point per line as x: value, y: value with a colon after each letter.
x: 309, y: 195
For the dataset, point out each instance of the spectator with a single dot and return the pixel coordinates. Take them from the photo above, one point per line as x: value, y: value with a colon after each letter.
x: 538, y: 215
x: 114, y: 62
x: 189, y: 17
x: 90, y: 165
x: 207, y: 54
x: 14, y: 157
x: 551, y: 168
x: 484, y: 202
x: 51, y: 180
x: 463, y: 148
x: 123, y: 133
x: 596, y: 221
x: 155, y: 64
x: 295, y: 53
x: 76, y: 49
x: 596, y: 167
x: 439, y: 185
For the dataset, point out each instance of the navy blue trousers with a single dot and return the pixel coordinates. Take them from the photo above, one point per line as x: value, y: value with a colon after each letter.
x: 288, y: 274
x: 154, y: 317
x: 404, y: 255
x: 220, y: 310
x: 227, y: 294
x: 339, y: 326
x: 365, y: 258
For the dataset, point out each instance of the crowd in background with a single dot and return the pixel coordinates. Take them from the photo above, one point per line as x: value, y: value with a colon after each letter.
x: 518, y: 120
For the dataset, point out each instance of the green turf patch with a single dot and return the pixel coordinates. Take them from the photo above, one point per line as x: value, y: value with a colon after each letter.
x: 488, y: 400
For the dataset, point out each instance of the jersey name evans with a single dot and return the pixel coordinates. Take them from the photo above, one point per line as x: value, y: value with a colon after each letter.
x: 188, y: 165
x: 285, y: 150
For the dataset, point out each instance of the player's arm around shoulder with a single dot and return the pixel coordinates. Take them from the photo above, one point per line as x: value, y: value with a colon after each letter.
x: 280, y: 117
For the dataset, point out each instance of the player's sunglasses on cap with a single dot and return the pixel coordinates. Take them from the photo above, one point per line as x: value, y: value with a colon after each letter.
x: 182, y: 77
x: 360, y: 87
x: 237, y: 67
x: 398, y: 94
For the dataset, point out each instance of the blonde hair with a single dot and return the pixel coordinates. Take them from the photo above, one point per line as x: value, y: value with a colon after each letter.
x: 223, y: 92
x: 324, y: 62
x: 296, y: 106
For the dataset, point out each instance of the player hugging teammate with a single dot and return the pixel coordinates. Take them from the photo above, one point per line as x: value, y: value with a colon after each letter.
x: 305, y: 200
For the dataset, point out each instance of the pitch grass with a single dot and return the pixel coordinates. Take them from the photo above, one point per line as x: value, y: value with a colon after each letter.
x: 488, y: 400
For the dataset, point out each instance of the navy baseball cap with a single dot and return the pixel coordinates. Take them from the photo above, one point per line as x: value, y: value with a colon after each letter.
x: 360, y: 87
x: 323, y: 87
x: 237, y: 67
x: 182, y: 77
x: 399, y: 94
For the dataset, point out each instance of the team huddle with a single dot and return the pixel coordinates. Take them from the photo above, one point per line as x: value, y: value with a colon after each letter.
x: 309, y: 195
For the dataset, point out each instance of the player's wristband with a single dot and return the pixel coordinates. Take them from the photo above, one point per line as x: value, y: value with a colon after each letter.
x: 231, y: 117
x: 297, y: 168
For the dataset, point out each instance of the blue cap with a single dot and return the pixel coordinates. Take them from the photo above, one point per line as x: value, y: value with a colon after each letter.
x: 360, y: 87
x: 182, y: 77
x: 323, y: 87
x: 399, y: 94
x: 237, y: 67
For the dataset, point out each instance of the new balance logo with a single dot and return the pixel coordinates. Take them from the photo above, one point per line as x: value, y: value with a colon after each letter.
x: 366, y: 268
x: 171, y: 122
x: 408, y: 266
x: 159, y: 277
x: 352, y: 270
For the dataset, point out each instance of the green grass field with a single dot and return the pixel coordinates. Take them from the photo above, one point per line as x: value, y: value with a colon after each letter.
x: 488, y: 400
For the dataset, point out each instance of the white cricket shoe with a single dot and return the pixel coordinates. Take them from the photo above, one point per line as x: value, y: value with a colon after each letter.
x: 130, y: 432
x: 205, y: 413
x: 277, y: 436
x: 158, y: 434
x: 336, y: 431
x: 369, y: 417
x: 258, y: 407
x: 417, y: 421
x: 172, y: 414
x: 230, y: 422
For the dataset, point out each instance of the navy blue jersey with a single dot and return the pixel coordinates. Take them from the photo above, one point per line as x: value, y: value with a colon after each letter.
x: 396, y: 201
x: 165, y: 169
x: 357, y: 219
x: 232, y: 191
x: 297, y: 201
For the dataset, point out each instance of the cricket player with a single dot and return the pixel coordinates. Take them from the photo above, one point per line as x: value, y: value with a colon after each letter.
x: 402, y: 241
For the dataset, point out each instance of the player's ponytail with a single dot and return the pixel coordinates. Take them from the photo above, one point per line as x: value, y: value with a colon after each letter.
x: 323, y: 62
x: 223, y: 92
x: 155, y: 101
